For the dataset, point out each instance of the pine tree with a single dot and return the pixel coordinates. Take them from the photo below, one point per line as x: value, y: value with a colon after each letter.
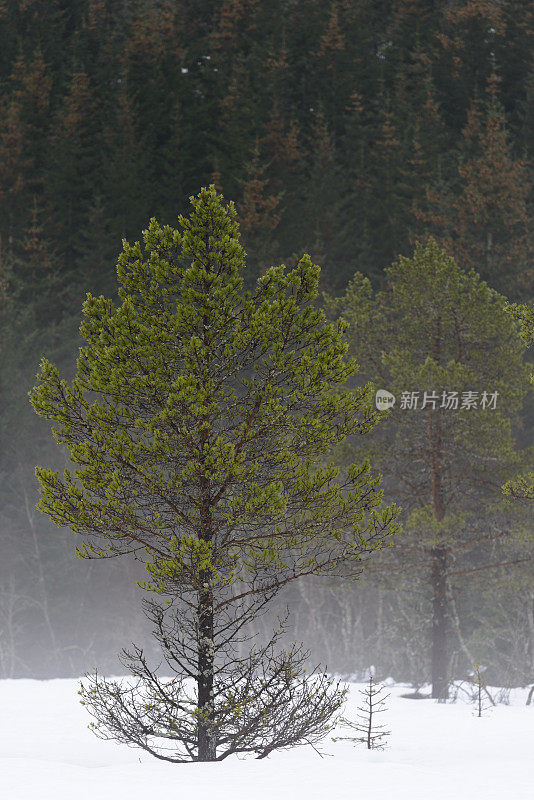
x: 181, y: 91
x: 284, y: 160
x: 236, y: 133
x: 203, y: 446
x: 522, y: 486
x: 355, y: 240
x: 23, y: 131
x: 443, y: 343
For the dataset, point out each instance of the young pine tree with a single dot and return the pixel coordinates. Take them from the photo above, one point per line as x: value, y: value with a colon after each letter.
x: 366, y: 728
x: 480, y: 695
x: 200, y: 423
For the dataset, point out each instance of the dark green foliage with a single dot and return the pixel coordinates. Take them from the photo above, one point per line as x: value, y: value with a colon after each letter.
x: 137, y: 104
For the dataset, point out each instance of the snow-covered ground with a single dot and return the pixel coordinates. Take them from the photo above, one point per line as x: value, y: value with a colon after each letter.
x: 436, y: 752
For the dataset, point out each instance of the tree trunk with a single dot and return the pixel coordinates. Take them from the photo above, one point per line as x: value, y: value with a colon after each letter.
x: 439, y: 553
x: 207, y: 735
x: 206, y: 668
x: 440, y: 679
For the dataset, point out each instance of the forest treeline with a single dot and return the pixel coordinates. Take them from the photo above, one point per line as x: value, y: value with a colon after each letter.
x: 345, y: 129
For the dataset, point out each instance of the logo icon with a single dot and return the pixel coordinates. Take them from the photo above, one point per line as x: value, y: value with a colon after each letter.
x: 384, y: 400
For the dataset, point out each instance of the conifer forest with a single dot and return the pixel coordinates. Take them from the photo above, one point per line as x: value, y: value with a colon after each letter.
x: 266, y: 359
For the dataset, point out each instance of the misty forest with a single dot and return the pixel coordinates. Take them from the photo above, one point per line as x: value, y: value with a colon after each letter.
x: 266, y: 407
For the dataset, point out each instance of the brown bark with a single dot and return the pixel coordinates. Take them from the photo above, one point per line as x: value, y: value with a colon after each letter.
x: 206, y: 729
x: 206, y: 646
x: 206, y: 742
x: 439, y: 553
x: 440, y: 679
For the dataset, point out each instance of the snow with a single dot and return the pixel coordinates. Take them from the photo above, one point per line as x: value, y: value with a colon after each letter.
x: 436, y: 752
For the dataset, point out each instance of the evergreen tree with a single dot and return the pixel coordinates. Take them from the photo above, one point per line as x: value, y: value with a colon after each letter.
x: 13, y: 164
x: 523, y: 485
x: 206, y: 449
x: 75, y: 161
x: 468, y: 37
x: 31, y: 91
x: 125, y: 169
x: 485, y: 222
x: 365, y: 728
x: 444, y: 344
x: 260, y: 702
x: 333, y: 67
x: 284, y: 159
x: 355, y: 241
x: 258, y: 217
x: 322, y: 193
x: 37, y: 288
x: 207, y: 80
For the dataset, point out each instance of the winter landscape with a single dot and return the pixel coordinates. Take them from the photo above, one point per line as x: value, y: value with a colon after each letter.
x: 266, y: 399
x: 435, y: 750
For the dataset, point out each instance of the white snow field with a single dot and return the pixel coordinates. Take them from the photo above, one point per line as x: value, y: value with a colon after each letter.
x: 436, y: 752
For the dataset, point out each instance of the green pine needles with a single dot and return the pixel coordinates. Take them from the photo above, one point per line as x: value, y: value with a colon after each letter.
x: 200, y: 424
x: 443, y: 343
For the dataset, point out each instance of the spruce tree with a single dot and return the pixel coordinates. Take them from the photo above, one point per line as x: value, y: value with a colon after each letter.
x: 74, y: 163
x: 482, y: 218
x: 200, y: 422
x: 259, y: 216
